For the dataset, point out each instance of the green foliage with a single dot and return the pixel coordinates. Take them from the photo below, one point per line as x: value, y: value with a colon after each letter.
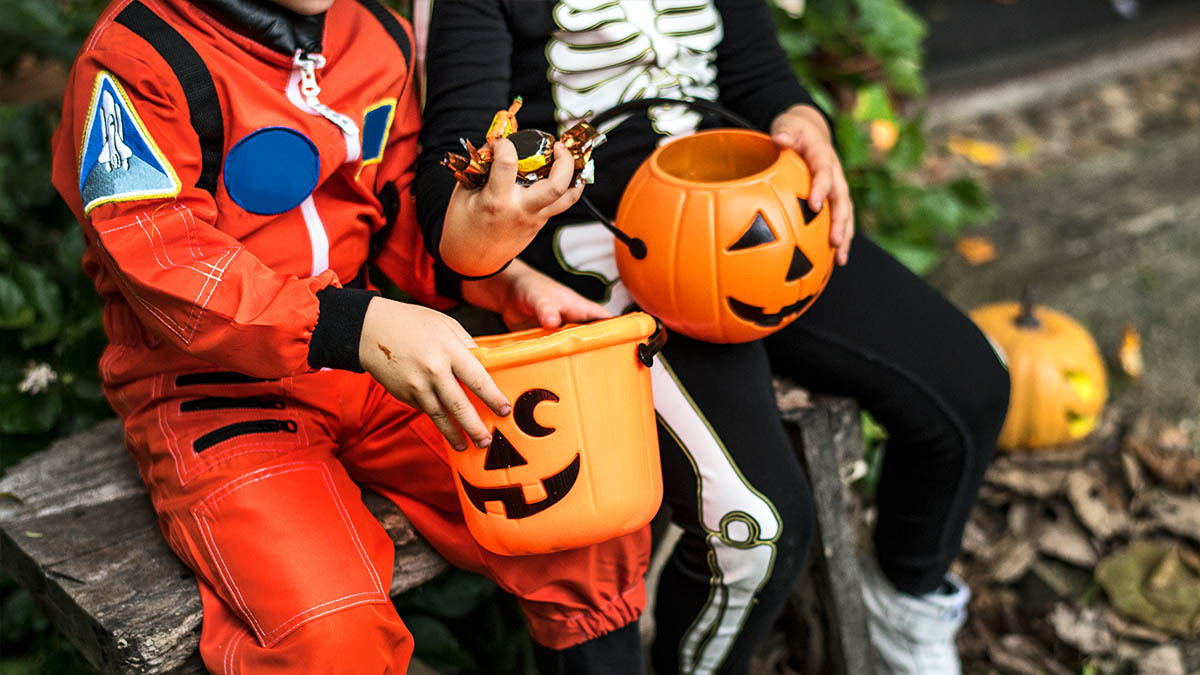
x: 862, y: 59
x: 27, y: 645
x: 463, y: 625
x: 50, y: 328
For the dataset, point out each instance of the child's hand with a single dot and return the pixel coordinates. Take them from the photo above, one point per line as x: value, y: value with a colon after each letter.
x: 486, y: 228
x: 524, y: 298
x: 420, y: 356
x: 804, y: 130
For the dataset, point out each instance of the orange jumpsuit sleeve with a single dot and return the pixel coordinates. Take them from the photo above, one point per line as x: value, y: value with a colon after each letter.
x: 402, y: 255
x: 188, y: 282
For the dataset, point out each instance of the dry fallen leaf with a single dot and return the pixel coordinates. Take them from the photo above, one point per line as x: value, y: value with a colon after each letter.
x: 1135, y: 476
x: 1063, y: 539
x: 1148, y: 581
x: 1096, y: 505
x: 1178, y: 470
x: 1161, y: 660
x: 976, y: 250
x: 1178, y: 515
x: 1041, y: 482
x: 1123, y: 628
x: 1129, y: 354
x: 1011, y: 558
x: 982, y: 153
x: 1083, y: 628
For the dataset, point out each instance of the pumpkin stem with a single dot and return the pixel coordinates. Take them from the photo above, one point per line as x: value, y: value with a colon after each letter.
x: 1026, y: 319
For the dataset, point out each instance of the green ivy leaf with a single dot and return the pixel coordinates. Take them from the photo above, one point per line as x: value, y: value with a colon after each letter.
x: 437, y: 646
x: 15, y: 311
x: 854, y: 145
x: 973, y: 201
x: 909, y: 149
x: 872, y: 103
x: 42, y: 293
x: 916, y: 257
x: 939, y: 210
x: 22, y: 413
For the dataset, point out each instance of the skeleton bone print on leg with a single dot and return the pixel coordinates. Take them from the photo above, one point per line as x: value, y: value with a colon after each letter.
x: 607, y: 53
x: 741, y: 525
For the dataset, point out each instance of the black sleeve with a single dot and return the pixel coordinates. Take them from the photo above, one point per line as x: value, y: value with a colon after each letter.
x: 754, y: 75
x: 467, y: 80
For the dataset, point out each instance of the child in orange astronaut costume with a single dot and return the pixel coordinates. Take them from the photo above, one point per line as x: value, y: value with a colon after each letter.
x: 235, y: 164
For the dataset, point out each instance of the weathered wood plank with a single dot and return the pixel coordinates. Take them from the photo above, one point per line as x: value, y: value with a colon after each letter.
x: 829, y: 435
x: 77, y: 530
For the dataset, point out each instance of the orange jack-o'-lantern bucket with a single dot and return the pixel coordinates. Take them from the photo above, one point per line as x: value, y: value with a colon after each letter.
x: 576, y: 462
x: 716, y: 237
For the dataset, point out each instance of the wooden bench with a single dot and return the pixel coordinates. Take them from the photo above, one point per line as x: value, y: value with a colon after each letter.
x: 77, y: 530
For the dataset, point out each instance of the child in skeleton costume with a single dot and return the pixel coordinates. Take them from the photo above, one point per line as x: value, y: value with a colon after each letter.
x: 235, y: 165
x: 877, y: 333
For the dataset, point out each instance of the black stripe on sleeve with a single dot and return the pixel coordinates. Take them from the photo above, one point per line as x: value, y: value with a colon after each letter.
x: 203, y: 104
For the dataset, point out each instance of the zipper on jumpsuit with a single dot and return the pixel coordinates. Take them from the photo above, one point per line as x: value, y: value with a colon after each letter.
x: 305, y: 65
x: 229, y: 431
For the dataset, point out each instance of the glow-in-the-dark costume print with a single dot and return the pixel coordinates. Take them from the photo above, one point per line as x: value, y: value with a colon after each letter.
x: 741, y: 525
x: 607, y: 53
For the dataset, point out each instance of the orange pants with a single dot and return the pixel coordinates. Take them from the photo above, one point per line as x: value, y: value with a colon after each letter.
x: 257, y: 485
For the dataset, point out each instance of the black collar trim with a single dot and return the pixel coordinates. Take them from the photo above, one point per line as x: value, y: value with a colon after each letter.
x: 270, y: 24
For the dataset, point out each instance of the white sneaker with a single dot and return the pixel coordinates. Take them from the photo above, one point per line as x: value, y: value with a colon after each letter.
x: 911, y: 634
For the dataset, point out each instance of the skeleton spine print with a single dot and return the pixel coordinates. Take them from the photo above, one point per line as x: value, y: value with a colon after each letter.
x: 606, y: 53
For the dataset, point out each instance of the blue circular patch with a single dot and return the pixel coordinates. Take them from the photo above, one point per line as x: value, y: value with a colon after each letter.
x: 272, y: 170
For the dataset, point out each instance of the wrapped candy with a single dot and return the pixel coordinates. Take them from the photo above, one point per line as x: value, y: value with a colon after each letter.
x: 535, y: 151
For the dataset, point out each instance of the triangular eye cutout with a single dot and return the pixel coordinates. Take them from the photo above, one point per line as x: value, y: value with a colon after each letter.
x: 501, y: 454
x: 759, y: 233
x: 800, y: 266
x: 808, y: 214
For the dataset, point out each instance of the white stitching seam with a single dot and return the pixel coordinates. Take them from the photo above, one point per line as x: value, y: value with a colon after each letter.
x: 231, y: 650
x: 269, y: 638
x: 154, y: 237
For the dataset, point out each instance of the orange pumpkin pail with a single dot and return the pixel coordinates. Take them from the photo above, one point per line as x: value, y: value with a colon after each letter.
x: 731, y: 252
x: 576, y: 462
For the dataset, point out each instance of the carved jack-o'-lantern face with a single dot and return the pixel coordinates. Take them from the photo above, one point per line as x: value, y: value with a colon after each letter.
x: 1059, y: 385
x: 576, y: 462
x: 732, y: 250
x: 502, y: 459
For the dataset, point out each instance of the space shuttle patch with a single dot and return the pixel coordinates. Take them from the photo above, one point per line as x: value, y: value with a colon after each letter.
x: 118, y: 159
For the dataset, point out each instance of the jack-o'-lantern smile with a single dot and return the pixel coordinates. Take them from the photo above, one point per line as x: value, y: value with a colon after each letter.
x: 757, y: 316
x: 513, y: 496
x: 503, y: 455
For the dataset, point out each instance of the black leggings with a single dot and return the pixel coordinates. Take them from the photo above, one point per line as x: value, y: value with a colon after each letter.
x: 732, y: 479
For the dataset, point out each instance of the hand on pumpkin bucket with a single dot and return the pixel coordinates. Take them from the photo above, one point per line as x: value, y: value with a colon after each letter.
x: 803, y: 129
x: 422, y: 357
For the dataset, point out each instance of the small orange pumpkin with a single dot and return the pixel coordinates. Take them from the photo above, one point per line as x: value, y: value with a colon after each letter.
x: 1059, y: 384
x: 729, y: 250
x: 577, y: 461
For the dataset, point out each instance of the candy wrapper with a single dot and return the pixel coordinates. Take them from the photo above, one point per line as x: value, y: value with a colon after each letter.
x: 535, y: 151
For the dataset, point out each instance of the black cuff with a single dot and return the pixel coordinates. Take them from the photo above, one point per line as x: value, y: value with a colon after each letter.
x: 446, y: 281
x: 335, y: 338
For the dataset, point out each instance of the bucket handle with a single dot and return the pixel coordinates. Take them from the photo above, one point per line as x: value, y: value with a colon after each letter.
x: 653, y: 345
x: 637, y: 247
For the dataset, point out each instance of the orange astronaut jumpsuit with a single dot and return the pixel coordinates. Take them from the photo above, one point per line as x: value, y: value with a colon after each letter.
x: 231, y: 171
